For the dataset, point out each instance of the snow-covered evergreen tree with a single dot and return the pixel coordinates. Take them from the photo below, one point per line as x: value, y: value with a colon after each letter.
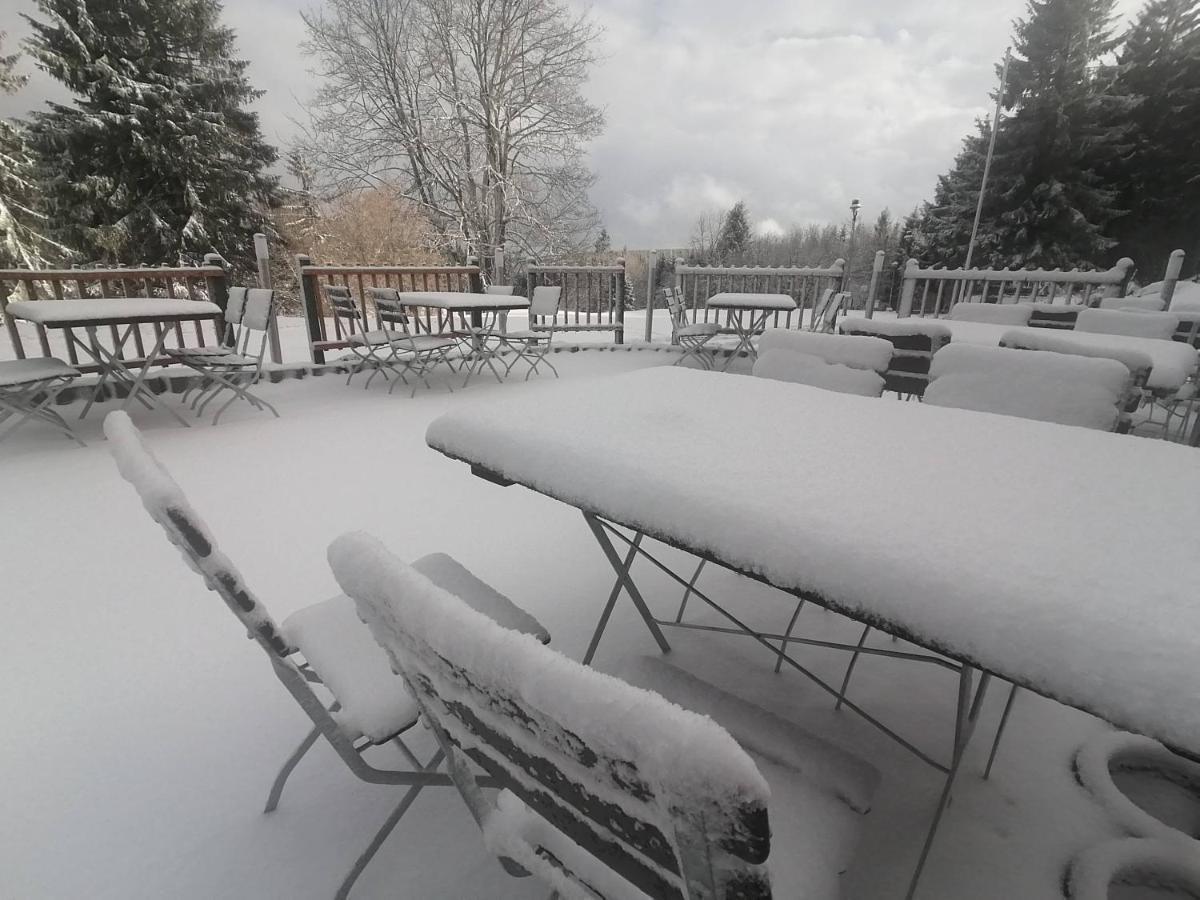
x: 946, y: 221
x: 22, y: 224
x: 734, y: 238
x: 1159, y: 180
x: 1051, y: 207
x: 157, y: 159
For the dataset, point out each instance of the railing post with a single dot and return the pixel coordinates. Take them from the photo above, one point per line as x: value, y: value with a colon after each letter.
x: 619, y: 335
x: 475, y: 279
x: 13, y: 334
x: 651, y: 271
x: 876, y: 271
x: 262, y: 255
x: 1171, y: 277
x: 310, y: 302
x: 907, y: 285
x: 218, y: 287
x: 1125, y: 266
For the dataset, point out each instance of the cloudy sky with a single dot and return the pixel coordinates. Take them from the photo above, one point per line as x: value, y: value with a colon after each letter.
x: 796, y: 106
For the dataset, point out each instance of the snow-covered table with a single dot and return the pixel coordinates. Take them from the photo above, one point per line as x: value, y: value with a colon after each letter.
x: 124, y: 314
x: 1027, y: 561
x: 475, y: 341
x: 748, y: 313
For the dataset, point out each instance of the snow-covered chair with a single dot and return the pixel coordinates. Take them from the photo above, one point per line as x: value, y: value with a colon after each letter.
x: 1053, y: 315
x: 1089, y: 392
x: 914, y: 342
x: 1154, y: 325
x: 532, y: 345
x: 235, y: 366
x: 825, y: 313
x: 607, y: 790
x: 323, y: 646
x: 28, y: 389
x: 691, y: 337
x: 1013, y: 314
x: 811, y: 370
x: 397, y: 348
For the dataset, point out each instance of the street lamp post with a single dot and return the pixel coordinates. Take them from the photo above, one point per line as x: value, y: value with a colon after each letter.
x: 855, y: 206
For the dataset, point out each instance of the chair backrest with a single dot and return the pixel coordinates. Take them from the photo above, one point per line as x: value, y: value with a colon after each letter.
x: 499, y: 290
x: 613, y: 770
x: 807, y: 369
x: 825, y: 313
x: 342, y: 306
x: 1014, y: 314
x: 914, y: 343
x: 388, y: 307
x: 1052, y: 315
x: 1138, y: 363
x: 1156, y: 325
x: 168, y: 506
x: 1051, y: 387
x: 545, y: 301
x: 235, y: 306
x: 673, y: 297
x: 855, y: 351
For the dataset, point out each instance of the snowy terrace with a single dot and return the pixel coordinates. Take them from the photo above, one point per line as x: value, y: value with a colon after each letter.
x: 144, y: 729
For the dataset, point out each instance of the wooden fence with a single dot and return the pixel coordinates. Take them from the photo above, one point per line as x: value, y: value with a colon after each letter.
x: 934, y: 292
x: 359, y: 279
x: 207, y: 282
x: 803, y: 284
x: 593, y: 297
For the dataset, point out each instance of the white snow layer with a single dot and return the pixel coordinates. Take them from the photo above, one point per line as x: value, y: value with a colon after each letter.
x: 856, y: 351
x: 1159, y: 868
x: 1048, y: 386
x: 992, y: 313
x: 1174, y: 361
x: 1157, y: 326
x: 805, y: 368
x: 1008, y: 541
x: 734, y: 300
x: 463, y: 300
x: 103, y: 309
x: 1054, y: 341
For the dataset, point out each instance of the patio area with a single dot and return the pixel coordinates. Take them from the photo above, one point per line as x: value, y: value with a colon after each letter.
x: 144, y: 730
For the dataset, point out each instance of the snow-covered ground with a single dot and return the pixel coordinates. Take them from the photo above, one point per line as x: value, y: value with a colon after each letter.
x: 142, y: 730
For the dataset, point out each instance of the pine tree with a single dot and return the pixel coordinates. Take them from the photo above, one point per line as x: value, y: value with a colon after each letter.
x: 734, y: 239
x: 947, y: 220
x: 1050, y: 206
x: 157, y: 160
x: 1159, y: 180
x: 603, y: 242
x: 22, y: 223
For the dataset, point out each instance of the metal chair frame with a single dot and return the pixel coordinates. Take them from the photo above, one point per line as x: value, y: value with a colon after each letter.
x: 533, y: 346
x: 691, y: 337
x: 825, y: 313
x: 401, y: 351
x: 30, y: 396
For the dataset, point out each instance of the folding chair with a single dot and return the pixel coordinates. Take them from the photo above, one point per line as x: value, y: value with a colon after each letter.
x: 238, y: 366
x: 600, y: 779
x: 533, y: 344
x: 396, y: 348
x: 825, y: 313
x: 692, y: 337
x: 350, y: 325
x: 323, y: 646
x: 28, y: 389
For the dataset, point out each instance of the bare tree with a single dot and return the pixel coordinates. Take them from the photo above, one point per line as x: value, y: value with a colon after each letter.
x: 472, y: 108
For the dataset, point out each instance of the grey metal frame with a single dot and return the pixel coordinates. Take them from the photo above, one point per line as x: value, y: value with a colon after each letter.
x: 969, y: 695
x: 533, y: 347
x: 406, y: 352
x: 240, y: 366
x: 33, y: 398
x: 694, y: 344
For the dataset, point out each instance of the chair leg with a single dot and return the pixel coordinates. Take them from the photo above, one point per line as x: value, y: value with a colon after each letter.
x: 788, y: 633
x: 386, y: 829
x: 850, y: 668
x: 1008, y: 705
x: 687, y: 594
x: 288, y: 766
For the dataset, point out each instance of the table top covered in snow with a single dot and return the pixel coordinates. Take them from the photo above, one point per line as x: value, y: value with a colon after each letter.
x: 729, y: 300
x: 462, y: 300
x: 111, y: 310
x: 1060, y: 558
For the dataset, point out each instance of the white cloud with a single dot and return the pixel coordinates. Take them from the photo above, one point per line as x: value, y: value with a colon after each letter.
x: 794, y: 107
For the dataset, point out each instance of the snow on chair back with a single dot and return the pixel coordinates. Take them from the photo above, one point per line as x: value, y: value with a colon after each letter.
x: 675, y: 306
x: 1051, y: 387
x: 855, y: 351
x: 914, y: 343
x: 826, y: 311
x: 167, y: 505
x: 388, y: 307
x: 235, y: 306
x: 544, y: 302
x: 606, y: 785
x: 1161, y: 326
x: 1014, y: 314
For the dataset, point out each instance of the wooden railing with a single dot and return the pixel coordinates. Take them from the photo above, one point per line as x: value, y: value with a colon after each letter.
x: 359, y: 279
x: 207, y: 282
x: 593, y: 297
x: 803, y: 284
x: 934, y: 292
